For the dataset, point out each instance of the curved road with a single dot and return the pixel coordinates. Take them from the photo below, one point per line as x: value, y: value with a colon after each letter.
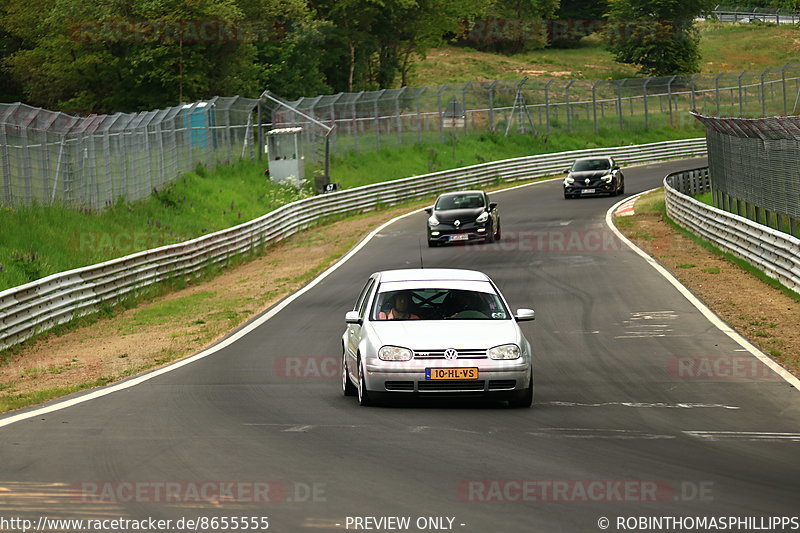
x: 623, y: 425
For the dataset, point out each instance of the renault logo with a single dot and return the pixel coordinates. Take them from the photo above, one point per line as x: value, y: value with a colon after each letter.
x: 450, y: 353
x: 587, y: 181
x: 457, y: 223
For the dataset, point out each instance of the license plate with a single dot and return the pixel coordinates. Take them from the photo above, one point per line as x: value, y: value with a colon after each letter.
x: 587, y: 191
x: 459, y: 237
x: 451, y: 373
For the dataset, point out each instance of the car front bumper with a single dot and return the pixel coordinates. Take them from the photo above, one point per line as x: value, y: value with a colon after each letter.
x: 498, y: 378
x: 586, y: 190
x: 445, y: 235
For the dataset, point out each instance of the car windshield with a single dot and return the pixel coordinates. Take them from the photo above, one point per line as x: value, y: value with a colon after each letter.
x: 459, y: 201
x: 583, y: 165
x: 438, y: 304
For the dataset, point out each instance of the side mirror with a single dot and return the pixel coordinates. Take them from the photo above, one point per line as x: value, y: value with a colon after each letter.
x: 492, y: 205
x: 567, y: 170
x: 351, y: 317
x: 429, y: 210
x: 523, y: 315
x: 615, y: 167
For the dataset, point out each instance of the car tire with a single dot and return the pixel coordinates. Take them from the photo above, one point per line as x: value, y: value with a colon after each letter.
x: 499, y: 234
x: 489, y: 236
x: 348, y: 389
x: 622, y: 189
x: 364, y: 399
x: 432, y: 244
x: 523, y: 398
x: 567, y: 196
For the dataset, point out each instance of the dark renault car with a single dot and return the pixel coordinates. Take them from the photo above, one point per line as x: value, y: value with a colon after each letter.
x: 463, y: 216
x: 594, y: 175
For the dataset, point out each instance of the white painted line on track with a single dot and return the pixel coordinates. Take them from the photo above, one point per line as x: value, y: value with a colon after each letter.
x: 643, y: 405
x: 99, y: 393
x: 713, y: 318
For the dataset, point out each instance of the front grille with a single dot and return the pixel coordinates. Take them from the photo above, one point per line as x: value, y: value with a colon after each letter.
x: 500, y: 384
x: 451, y: 385
x: 462, y: 354
x: 399, y: 385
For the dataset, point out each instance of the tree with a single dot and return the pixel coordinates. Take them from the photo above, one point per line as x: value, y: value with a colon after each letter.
x: 656, y: 35
x: 99, y: 56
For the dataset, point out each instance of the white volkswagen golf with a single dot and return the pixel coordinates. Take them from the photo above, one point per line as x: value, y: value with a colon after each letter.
x: 435, y: 332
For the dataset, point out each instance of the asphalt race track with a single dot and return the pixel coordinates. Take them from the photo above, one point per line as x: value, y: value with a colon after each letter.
x: 642, y: 408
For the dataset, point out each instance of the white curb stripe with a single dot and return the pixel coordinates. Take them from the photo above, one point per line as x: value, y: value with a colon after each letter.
x: 714, y: 319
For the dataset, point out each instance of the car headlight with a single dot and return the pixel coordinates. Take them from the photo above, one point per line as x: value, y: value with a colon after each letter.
x: 433, y: 221
x: 607, y: 178
x: 394, y: 353
x: 569, y: 181
x: 506, y: 351
x: 483, y: 217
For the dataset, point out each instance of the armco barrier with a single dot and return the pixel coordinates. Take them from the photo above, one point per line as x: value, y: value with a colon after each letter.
x: 39, y: 305
x: 774, y: 252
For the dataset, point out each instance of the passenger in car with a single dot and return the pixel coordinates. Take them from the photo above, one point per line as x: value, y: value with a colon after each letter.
x: 400, y: 308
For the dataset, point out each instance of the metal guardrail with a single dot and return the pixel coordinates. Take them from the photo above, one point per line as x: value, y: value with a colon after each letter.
x: 772, y: 251
x: 37, y: 306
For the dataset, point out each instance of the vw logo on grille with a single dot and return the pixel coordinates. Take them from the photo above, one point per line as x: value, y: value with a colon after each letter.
x: 450, y: 353
x: 457, y: 223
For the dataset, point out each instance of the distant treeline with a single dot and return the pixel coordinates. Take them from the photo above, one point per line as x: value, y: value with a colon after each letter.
x: 101, y: 56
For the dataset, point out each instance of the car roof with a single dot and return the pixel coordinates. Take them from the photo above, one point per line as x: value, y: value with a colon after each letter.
x: 594, y: 157
x: 473, y: 191
x: 432, y: 274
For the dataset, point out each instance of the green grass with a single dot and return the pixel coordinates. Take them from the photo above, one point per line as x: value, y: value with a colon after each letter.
x: 355, y: 169
x: 38, y: 241
x: 723, y: 48
x: 9, y: 402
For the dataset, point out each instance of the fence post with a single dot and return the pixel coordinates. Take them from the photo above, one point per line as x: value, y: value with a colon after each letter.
x: 569, y: 114
x: 716, y: 90
x: 741, y: 102
x: 783, y: 84
x: 594, y: 104
x: 669, y: 98
x: 439, y: 103
x: 646, y: 114
x: 378, y: 120
x: 619, y: 103
x: 5, y: 159
x: 547, y: 104
x: 399, y: 116
x: 491, y: 105
x: 763, y: 95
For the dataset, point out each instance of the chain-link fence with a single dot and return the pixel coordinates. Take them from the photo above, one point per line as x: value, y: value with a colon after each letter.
x: 375, y: 119
x: 755, y: 168
x: 753, y: 14
x: 91, y: 162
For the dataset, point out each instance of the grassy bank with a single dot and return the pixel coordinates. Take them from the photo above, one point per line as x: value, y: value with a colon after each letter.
x: 39, y: 241
x: 723, y: 47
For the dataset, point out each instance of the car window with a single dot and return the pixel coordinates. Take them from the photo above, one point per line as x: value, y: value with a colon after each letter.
x: 361, y: 302
x: 440, y: 304
x: 459, y: 201
x: 591, y: 164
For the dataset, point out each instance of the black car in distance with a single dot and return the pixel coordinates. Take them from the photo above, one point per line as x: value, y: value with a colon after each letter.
x: 463, y: 216
x: 594, y: 175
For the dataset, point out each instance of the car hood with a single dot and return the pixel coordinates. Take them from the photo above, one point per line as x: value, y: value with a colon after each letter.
x: 591, y: 174
x: 464, y: 215
x: 443, y: 334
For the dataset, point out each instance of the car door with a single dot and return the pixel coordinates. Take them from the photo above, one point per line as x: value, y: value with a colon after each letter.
x: 354, y: 330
